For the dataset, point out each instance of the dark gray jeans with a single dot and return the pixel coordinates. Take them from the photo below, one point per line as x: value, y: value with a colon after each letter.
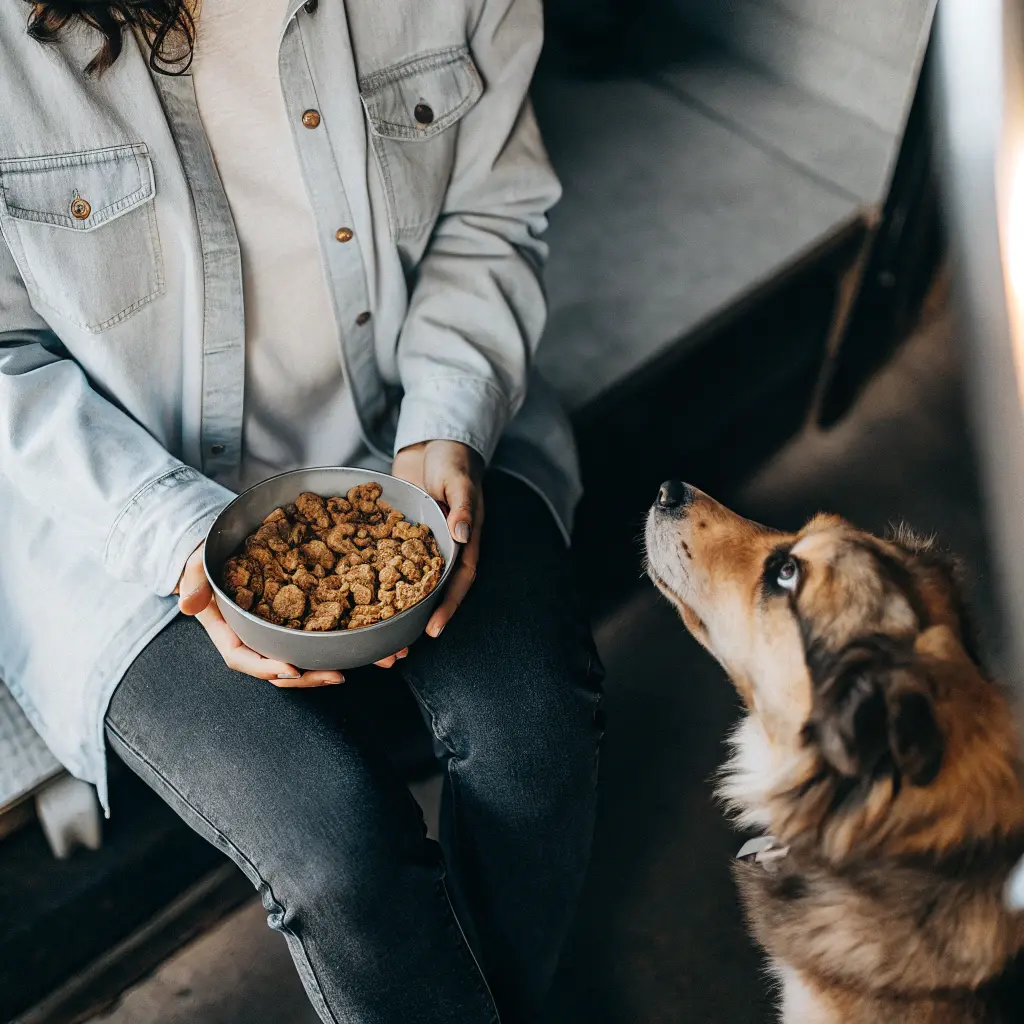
x: 292, y: 787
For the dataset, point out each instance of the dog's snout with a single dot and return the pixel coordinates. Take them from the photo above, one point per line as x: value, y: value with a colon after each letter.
x: 674, y: 495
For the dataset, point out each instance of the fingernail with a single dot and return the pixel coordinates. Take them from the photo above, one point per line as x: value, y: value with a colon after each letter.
x: 462, y: 532
x: 404, y: 654
x: 340, y: 679
x: 288, y: 675
x: 437, y: 631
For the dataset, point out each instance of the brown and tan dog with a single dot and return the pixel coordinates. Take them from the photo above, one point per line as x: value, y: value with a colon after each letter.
x: 874, y: 749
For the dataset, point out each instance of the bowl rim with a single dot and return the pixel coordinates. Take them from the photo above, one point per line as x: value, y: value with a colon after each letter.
x: 371, y: 474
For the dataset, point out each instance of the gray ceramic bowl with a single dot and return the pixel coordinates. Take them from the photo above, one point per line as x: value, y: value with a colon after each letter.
x: 339, y: 649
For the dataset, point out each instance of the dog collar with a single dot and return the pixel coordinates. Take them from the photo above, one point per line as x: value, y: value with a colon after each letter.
x: 763, y: 850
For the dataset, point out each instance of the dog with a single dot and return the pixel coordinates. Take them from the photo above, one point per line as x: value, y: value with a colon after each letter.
x: 875, y: 751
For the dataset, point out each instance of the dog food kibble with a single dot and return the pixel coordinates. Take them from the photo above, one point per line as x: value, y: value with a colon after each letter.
x: 337, y: 563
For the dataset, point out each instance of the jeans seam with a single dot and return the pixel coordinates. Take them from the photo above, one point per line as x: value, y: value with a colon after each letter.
x: 241, y: 857
x: 462, y: 943
x: 414, y: 684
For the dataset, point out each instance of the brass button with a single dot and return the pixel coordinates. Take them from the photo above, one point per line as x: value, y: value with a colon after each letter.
x: 311, y: 118
x: 343, y: 234
x: 216, y: 449
x: 310, y: 6
x: 80, y: 209
x: 423, y: 113
x: 363, y: 318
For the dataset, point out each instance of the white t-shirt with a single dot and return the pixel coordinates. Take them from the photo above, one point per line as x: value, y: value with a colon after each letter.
x: 292, y: 348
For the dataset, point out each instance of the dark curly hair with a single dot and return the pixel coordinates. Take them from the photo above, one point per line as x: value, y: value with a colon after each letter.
x: 167, y: 26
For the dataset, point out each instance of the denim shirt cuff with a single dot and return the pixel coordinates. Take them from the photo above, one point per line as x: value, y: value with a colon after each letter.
x: 465, y: 409
x: 161, y: 526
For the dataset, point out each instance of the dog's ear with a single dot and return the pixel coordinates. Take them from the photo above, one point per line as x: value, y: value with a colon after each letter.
x: 914, y: 736
x: 866, y: 709
x: 850, y: 722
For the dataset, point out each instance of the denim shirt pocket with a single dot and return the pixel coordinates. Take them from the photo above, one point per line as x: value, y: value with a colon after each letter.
x: 411, y: 108
x: 82, y: 229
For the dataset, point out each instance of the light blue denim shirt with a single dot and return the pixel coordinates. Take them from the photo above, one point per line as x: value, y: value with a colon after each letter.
x: 121, y: 324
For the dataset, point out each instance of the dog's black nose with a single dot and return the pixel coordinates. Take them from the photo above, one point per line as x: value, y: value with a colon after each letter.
x: 674, y: 494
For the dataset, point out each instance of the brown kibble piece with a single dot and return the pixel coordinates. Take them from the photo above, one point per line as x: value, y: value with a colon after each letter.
x: 333, y: 588
x: 338, y: 538
x: 237, y: 573
x: 313, y: 508
x: 341, y: 510
x: 262, y: 555
x: 305, y: 580
x: 290, y: 602
x: 365, y: 493
x: 326, y: 617
x: 289, y: 561
x: 384, y: 530
x: 318, y: 553
x: 244, y: 598
x: 409, y: 594
x: 271, y: 536
x: 365, y: 615
x: 414, y: 549
x: 275, y: 516
x: 409, y: 531
x: 264, y: 611
x: 385, y: 550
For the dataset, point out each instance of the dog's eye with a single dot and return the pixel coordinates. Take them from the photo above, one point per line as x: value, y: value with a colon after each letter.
x: 789, y: 572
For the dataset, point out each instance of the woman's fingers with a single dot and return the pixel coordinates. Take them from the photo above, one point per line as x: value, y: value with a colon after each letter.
x: 460, y: 493
x: 462, y: 579
x: 309, y: 680
x: 194, y: 591
x: 243, y: 659
x: 390, y: 660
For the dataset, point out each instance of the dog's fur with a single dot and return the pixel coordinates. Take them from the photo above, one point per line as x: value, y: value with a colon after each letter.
x: 875, y: 746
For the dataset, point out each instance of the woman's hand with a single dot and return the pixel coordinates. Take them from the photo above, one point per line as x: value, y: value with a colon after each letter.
x: 450, y: 472
x: 196, y: 598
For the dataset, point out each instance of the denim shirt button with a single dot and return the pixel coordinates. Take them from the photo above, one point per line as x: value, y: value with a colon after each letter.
x: 310, y: 6
x: 217, y: 449
x: 343, y: 234
x: 423, y: 113
x: 311, y: 118
x: 363, y: 318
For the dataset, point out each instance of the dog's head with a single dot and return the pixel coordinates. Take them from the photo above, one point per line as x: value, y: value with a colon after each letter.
x: 870, y: 721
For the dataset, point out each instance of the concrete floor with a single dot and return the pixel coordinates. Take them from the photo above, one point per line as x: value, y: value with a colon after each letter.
x: 658, y: 937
